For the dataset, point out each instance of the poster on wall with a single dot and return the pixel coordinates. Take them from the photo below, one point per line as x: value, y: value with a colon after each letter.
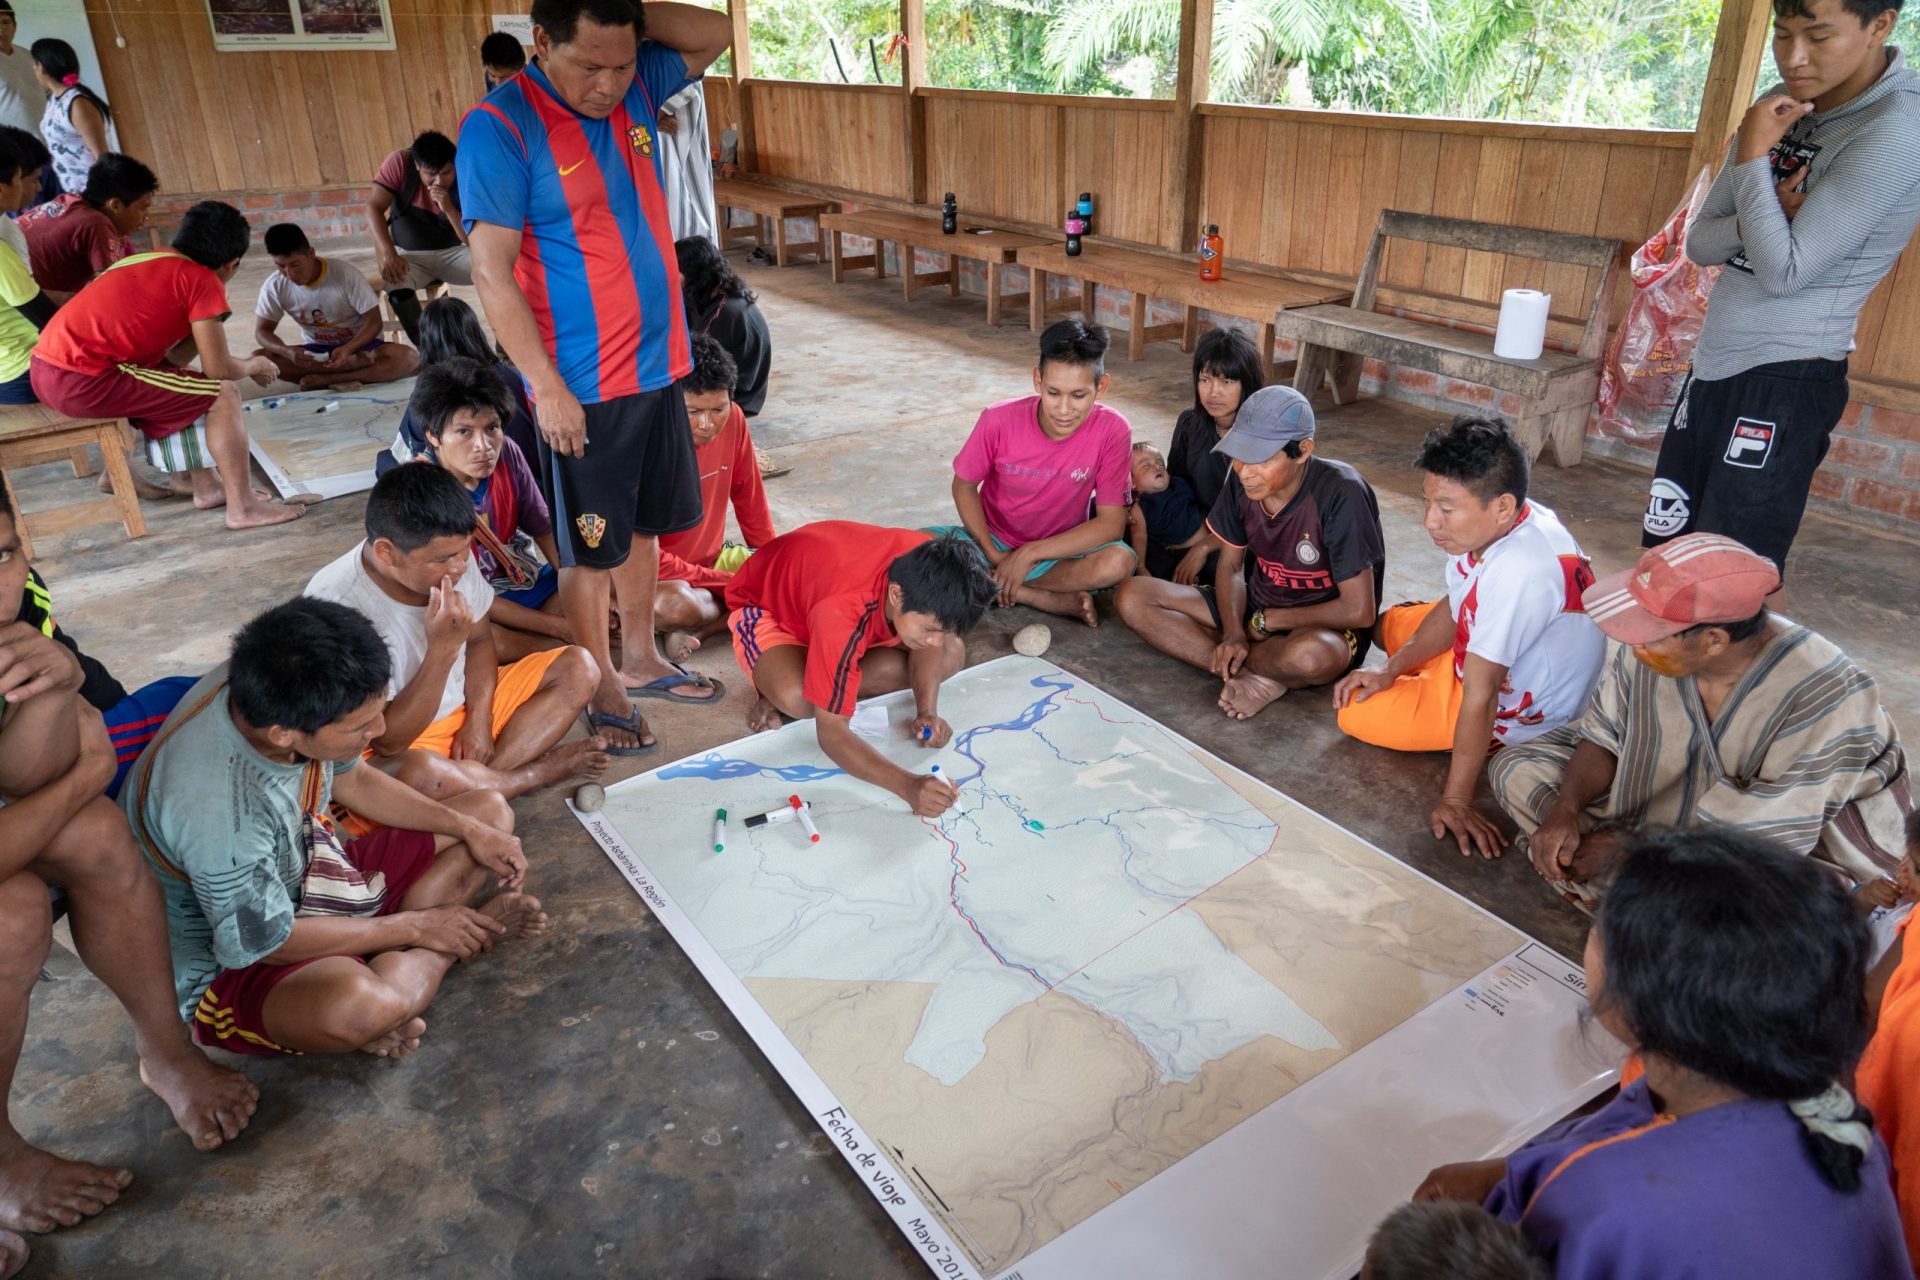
x: 301, y: 24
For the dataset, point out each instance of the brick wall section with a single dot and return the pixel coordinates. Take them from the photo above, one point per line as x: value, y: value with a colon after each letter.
x: 323, y: 212
x: 1871, y: 476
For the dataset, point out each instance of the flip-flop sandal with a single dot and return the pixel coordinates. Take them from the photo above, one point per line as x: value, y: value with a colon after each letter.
x: 634, y: 724
x: 663, y: 687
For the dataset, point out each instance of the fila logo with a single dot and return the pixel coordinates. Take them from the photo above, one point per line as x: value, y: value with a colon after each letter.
x: 1751, y: 444
x: 1668, y: 509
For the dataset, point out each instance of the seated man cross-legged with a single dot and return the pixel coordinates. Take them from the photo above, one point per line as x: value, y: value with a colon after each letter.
x: 689, y: 603
x: 1300, y: 572
x: 286, y: 939
x: 337, y: 312
x: 58, y: 828
x: 460, y: 408
x: 1033, y: 468
x: 119, y: 350
x: 455, y: 719
x: 837, y: 609
x: 1712, y: 712
x: 1509, y: 654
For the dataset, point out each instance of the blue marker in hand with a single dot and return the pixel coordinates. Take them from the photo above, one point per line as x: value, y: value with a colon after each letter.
x: 926, y: 735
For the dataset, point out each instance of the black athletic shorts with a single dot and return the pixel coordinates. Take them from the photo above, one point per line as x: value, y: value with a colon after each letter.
x: 1739, y: 454
x: 639, y: 476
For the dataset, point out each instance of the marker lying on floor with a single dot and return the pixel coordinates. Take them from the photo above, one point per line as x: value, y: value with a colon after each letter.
x: 719, y: 830
x: 806, y: 819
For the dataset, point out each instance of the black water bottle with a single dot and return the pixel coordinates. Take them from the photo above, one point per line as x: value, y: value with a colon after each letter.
x: 950, y: 215
x: 1076, y: 226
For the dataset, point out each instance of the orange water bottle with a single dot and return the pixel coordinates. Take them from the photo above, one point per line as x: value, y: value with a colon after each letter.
x: 1213, y: 251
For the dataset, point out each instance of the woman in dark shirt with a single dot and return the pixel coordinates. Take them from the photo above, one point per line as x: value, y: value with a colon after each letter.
x: 1226, y: 370
x: 719, y: 304
x: 450, y: 330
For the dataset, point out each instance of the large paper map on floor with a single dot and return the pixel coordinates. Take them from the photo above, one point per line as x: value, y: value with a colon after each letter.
x: 1124, y: 1011
x: 321, y: 444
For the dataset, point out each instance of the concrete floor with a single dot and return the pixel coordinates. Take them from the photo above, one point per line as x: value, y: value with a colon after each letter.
x: 583, y: 1104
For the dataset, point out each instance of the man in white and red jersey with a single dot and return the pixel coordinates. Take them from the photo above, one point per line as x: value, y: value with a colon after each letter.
x: 1511, y: 656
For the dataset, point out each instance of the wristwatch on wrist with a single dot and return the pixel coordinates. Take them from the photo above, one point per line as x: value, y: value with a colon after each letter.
x: 1257, y: 624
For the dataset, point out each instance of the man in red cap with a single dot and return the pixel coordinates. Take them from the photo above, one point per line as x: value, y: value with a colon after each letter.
x: 1712, y: 711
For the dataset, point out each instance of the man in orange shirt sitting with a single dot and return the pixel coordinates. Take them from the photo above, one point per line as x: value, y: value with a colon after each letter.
x: 696, y: 566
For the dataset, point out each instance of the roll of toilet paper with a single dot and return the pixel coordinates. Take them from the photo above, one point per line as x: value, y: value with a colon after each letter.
x: 1522, y: 331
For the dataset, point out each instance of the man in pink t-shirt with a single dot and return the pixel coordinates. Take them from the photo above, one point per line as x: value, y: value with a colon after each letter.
x: 1043, y: 482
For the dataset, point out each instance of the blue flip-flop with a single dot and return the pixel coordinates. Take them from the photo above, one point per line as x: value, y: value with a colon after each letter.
x: 662, y: 688
x: 635, y: 724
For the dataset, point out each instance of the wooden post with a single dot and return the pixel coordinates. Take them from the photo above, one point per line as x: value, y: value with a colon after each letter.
x: 1738, y: 46
x: 742, y: 92
x: 913, y: 77
x: 1192, y: 83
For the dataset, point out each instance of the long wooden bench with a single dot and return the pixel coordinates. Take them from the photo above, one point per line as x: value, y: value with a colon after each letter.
x: 31, y: 433
x: 990, y: 246
x: 770, y: 208
x: 1244, y: 295
x: 1558, y: 388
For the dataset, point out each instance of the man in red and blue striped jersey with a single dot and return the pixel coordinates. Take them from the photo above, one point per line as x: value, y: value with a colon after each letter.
x: 559, y: 171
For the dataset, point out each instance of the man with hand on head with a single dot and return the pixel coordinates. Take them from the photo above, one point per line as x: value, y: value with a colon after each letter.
x: 1819, y: 195
x: 413, y: 213
x: 573, y: 255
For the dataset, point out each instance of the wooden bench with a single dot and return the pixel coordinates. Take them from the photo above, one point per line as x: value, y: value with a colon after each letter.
x: 31, y: 433
x: 989, y: 246
x: 1558, y: 388
x: 768, y: 205
x: 1244, y: 295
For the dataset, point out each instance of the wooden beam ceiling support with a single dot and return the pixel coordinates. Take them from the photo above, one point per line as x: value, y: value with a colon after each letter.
x: 1739, y: 44
x: 1192, y: 83
x: 913, y: 78
x: 742, y: 92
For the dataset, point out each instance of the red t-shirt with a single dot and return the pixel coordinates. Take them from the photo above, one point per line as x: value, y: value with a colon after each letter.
x: 71, y: 242
x: 392, y: 174
x: 134, y: 313
x: 825, y: 584
x: 729, y: 472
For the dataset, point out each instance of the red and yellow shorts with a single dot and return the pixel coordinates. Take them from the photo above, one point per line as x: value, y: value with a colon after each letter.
x: 232, y: 1012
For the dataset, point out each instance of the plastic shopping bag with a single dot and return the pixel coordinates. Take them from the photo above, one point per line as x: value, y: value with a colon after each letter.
x: 1646, y: 364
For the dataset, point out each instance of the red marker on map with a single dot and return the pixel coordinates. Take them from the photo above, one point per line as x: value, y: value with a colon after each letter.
x: 806, y: 819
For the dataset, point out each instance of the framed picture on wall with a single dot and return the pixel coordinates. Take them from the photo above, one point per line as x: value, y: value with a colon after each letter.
x: 301, y: 24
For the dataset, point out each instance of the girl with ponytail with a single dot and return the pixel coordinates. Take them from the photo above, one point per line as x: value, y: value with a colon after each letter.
x: 75, y: 123
x: 1735, y: 971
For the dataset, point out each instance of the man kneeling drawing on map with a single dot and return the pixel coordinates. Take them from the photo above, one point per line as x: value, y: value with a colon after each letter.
x: 836, y: 609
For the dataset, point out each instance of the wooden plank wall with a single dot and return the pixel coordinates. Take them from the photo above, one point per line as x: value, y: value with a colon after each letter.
x: 209, y: 121
x: 1303, y: 190
x: 835, y: 135
x: 1024, y: 158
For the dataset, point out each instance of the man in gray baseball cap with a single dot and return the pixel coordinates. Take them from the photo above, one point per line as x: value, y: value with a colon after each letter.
x: 1301, y: 568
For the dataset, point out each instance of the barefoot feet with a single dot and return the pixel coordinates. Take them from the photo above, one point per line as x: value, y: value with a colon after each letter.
x: 678, y: 644
x: 210, y: 1103
x: 40, y: 1191
x: 399, y: 1042
x: 518, y: 913
x: 1247, y: 694
x: 584, y: 760
x: 1068, y: 604
x: 763, y: 715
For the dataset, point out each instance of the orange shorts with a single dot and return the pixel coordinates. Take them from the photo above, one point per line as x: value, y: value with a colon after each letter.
x: 1419, y: 712
x: 512, y: 687
x: 754, y: 632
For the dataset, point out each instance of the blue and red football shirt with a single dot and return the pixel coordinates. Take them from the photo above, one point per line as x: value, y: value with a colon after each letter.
x: 596, y: 256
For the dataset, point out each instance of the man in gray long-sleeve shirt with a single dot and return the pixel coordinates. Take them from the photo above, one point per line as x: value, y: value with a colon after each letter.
x: 1819, y: 195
